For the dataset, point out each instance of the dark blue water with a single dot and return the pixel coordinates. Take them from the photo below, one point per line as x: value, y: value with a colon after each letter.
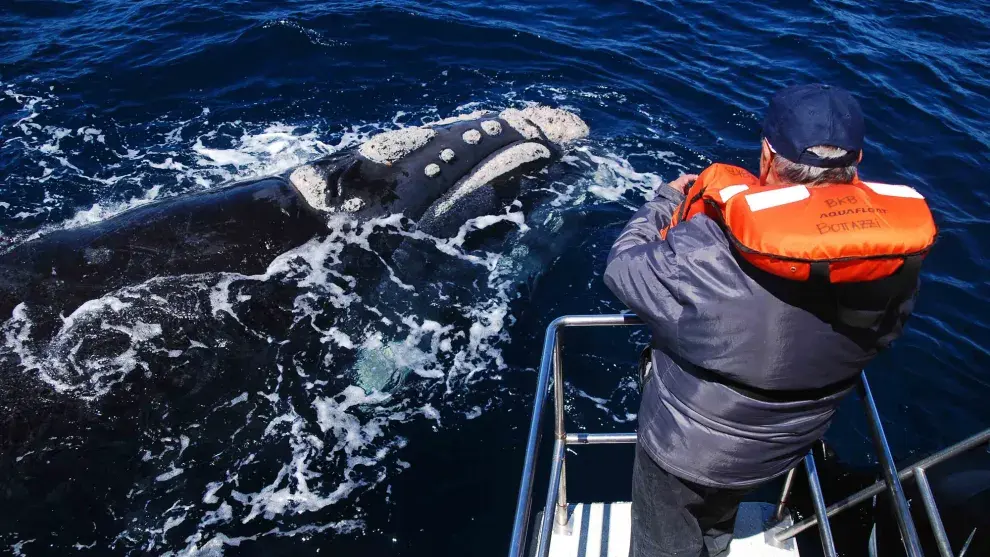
x: 191, y: 417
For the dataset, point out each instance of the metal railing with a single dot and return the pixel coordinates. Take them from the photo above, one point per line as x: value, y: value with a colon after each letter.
x: 555, y: 515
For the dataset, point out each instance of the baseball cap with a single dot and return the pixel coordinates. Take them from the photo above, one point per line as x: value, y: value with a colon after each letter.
x: 804, y: 116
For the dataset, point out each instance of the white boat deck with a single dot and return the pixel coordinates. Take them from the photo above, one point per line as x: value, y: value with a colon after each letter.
x: 602, y: 530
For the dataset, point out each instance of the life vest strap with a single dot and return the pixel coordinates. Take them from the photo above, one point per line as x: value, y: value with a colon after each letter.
x: 778, y: 396
x: 820, y: 272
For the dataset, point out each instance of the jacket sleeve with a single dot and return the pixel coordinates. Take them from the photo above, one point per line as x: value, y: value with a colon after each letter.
x: 645, y: 225
x: 643, y: 270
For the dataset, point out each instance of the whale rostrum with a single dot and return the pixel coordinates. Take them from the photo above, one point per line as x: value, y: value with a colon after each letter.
x: 485, y: 155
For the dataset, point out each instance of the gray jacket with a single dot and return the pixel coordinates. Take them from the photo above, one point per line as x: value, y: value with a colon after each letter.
x: 749, y: 367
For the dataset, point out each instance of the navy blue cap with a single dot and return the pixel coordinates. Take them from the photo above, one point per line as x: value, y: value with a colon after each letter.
x: 804, y: 116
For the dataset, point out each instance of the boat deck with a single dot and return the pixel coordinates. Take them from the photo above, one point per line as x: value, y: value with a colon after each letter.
x: 602, y: 530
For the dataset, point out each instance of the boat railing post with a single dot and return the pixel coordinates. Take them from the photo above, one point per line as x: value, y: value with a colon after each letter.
x: 520, y: 525
x: 824, y: 528
x: 909, y: 534
x: 547, y: 520
x: 928, y: 498
x: 560, y: 525
x: 785, y: 494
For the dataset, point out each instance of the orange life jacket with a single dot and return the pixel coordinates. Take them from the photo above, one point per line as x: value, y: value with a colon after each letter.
x: 854, y: 232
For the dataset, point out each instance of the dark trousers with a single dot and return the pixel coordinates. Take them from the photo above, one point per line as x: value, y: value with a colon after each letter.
x: 674, y: 517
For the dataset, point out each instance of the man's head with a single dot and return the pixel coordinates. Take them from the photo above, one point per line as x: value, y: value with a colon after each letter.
x: 812, y: 134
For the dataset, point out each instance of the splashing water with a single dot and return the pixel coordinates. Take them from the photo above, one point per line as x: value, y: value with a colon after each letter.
x: 320, y: 362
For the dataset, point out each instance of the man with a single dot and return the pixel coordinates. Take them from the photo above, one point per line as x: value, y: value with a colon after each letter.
x: 765, y: 296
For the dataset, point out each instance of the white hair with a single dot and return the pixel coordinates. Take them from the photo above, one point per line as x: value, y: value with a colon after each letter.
x: 797, y: 173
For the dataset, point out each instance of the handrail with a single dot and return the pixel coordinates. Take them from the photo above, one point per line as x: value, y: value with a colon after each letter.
x: 902, y: 512
x: 520, y: 524
x: 818, y: 500
x: 555, y: 508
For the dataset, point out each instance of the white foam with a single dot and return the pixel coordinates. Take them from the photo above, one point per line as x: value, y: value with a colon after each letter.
x: 171, y: 474
x: 17, y: 549
x: 474, y: 115
x: 614, y: 177
x: 210, y: 497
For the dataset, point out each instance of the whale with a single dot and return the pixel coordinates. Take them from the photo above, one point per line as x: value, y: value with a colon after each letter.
x: 83, y: 383
x: 437, y: 176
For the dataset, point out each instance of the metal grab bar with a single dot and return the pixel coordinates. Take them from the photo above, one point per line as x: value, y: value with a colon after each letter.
x: 555, y: 508
x: 520, y: 525
x: 818, y: 499
x: 902, y: 512
x: 933, y: 517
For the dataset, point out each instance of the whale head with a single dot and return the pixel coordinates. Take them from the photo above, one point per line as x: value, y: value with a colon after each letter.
x: 432, y: 168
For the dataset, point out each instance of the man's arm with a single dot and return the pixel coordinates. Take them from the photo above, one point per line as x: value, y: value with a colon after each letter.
x: 647, y: 273
x: 645, y: 225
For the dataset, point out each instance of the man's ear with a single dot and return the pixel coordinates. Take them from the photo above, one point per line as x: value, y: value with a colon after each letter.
x: 765, y: 154
x: 860, y: 159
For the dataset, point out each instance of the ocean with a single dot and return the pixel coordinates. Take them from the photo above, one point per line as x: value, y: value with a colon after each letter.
x: 221, y: 414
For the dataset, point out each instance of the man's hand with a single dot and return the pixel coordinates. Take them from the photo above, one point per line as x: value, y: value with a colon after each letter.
x: 683, y: 183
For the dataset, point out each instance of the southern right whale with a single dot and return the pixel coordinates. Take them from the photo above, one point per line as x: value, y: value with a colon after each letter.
x: 438, y: 176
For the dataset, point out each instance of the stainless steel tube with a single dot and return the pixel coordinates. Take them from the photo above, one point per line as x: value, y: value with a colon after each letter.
x: 520, y: 525
x: 902, y: 512
x: 598, y: 320
x: 559, y: 433
x: 785, y: 494
x: 824, y: 529
x: 546, y: 525
x: 969, y: 540
x: 600, y: 438
x: 928, y: 498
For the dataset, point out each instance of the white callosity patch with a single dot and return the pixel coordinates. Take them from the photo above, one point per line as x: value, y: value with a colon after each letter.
x: 501, y: 163
x: 471, y: 137
x: 447, y: 155
x: 309, y: 182
x: 388, y: 147
x: 517, y: 121
x: 432, y: 170
x: 491, y: 127
x: 312, y: 185
x: 559, y: 126
x: 353, y: 205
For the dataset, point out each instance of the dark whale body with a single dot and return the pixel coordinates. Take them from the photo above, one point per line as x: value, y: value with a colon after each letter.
x: 242, y: 227
x: 237, y: 227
